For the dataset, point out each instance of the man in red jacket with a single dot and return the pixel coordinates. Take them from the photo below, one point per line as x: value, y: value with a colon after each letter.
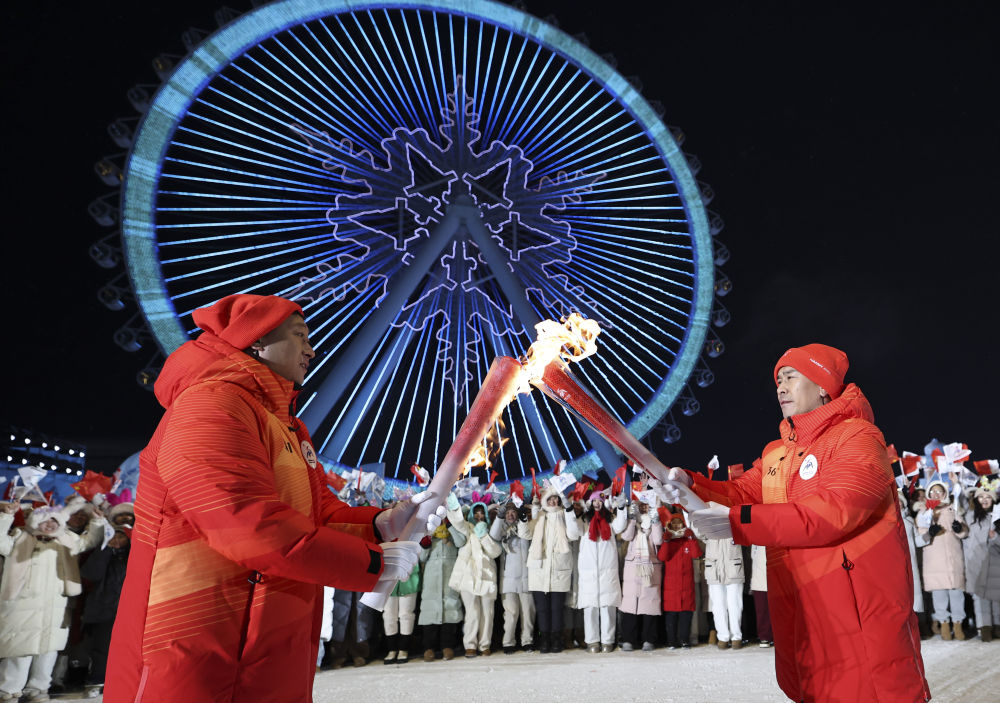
x: 236, y: 533
x: 822, y: 499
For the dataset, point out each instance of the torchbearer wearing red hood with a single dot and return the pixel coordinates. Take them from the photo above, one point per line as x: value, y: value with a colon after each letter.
x: 822, y: 500
x: 236, y: 532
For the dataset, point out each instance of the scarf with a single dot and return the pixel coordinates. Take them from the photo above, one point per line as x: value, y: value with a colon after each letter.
x: 599, y: 527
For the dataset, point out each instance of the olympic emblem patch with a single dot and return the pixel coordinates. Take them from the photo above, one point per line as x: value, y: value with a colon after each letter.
x: 808, y: 468
x: 309, y: 454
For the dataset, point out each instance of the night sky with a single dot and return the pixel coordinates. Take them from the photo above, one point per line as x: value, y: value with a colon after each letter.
x: 854, y: 155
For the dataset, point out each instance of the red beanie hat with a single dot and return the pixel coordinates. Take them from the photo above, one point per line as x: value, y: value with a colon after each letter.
x: 823, y: 365
x: 243, y: 318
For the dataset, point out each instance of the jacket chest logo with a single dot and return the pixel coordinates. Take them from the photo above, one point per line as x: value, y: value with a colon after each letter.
x: 808, y: 468
x: 309, y: 454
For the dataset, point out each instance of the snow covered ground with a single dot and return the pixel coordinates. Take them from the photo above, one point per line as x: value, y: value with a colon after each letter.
x: 957, y: 671
x: 966, y: 672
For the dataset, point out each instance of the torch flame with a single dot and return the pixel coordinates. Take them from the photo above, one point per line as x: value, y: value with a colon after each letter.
x: 571, y: 339
x: 488, y: 448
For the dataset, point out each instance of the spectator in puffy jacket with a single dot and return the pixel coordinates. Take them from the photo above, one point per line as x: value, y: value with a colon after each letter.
x: 642, y: 579
x: 104, y: 575
x: 982, y: 559
x: 510, y: 530
x: 40, y: 572
x: 475, y: 576
x: 944, y: 563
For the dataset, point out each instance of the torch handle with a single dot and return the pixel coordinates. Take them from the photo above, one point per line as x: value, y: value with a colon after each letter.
x: 559, y: 384
x: 498, y: 389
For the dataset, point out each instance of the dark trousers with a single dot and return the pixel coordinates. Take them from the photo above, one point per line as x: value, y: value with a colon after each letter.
x: 440, y: 636
x: 549, y: 611
x: 630, y: 628
x: 678, y: 627
x: 98, y: 636
x: 764, y: 632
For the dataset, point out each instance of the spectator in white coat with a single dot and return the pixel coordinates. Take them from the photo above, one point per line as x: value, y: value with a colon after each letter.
x: 475, y: 576
x: 510, y: 531
x: 725, y: 576
x: 550, y: 564
x: 600, y: 591
x: 40, y: 572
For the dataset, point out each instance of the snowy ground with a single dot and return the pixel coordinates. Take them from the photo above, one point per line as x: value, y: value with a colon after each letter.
x: 968, y: 672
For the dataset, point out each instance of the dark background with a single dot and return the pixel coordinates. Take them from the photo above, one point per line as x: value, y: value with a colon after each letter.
x: 853, y: 150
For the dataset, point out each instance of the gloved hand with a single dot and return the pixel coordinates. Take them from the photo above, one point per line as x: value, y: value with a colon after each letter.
x: 712, y: 522
x: 956, y: 526
x: 567, y: 503
x: 452, y: 502
x: 525, y: 513
x: 935, y: 530
x: 621, y: 501
x: 426, y: 541
x: 398, y: 559
x: 671, y: 495
x: 390, y: 523
x: 480, y: 529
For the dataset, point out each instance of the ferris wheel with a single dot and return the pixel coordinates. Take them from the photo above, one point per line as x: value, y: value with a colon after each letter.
x: 429, y: 179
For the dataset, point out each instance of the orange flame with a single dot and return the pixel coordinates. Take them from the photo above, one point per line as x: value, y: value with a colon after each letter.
x: 487, y: 449
x: 571, y: 339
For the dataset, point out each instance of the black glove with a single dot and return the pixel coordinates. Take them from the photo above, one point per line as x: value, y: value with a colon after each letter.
x: 525, y: 513
x: 956, y: 526
x: 935, y: 530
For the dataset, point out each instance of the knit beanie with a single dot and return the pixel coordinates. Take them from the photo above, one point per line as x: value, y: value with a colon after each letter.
x: 825, y: 366
x: 243, y: 318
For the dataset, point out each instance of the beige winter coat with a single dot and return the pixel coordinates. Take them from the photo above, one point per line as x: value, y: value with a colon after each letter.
x: 475, y: 569
x: 550, y: 559
x: 723, y: 562
x: 944, y: 561
x: 37, y: 578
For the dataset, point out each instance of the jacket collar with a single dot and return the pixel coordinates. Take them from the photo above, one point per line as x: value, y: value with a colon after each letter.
x: 209, y: 358
x: 807, y: 427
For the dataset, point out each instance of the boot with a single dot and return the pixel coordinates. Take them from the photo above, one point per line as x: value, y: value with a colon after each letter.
x: 428, y: 655
x: 392, y: 644
x: 945, y: 628
x: 958, y: 630
x: 713, y: 638
x: 935, y: 628
x: 543, y: 643
x: 557, y: 643
x: 403, y: 657
x: 448, y: 653
x: 986, y: 634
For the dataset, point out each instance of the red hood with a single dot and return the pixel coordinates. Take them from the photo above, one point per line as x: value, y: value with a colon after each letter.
x: 208, y: 358
x: 851, y: 403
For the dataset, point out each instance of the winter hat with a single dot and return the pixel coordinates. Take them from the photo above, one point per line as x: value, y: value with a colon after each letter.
x: 243, y: 318
x: 947, y: 491
x: 40, y: 515
x: 121, y: 509
x: 823, y: 365
x: 986, y: 487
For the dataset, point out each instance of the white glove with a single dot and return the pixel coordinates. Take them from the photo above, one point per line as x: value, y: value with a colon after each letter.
x: 398, y: 560
x: 712, y: 522
x: 390, y: 523
x: 620, y: 501
x: 567, y: 503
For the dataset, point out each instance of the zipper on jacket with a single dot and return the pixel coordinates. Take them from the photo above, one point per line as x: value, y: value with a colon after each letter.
x: 792, y: 435
x: 847, y: 563
x: 255, y: 578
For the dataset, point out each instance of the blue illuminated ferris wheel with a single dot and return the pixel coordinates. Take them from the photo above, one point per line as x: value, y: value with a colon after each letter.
x: 428, y: 179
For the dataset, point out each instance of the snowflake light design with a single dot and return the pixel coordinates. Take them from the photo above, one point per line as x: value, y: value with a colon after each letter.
x: 391, y: 203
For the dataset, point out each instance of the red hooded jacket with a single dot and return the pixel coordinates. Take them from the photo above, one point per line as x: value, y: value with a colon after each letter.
x: 822, y: 499
x: 678, y: 555
x: 235, y: 536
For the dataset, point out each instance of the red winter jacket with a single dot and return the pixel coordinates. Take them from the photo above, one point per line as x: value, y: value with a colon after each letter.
x: 678, y: 555
x: 822, y: 499
x: 235, y: 536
